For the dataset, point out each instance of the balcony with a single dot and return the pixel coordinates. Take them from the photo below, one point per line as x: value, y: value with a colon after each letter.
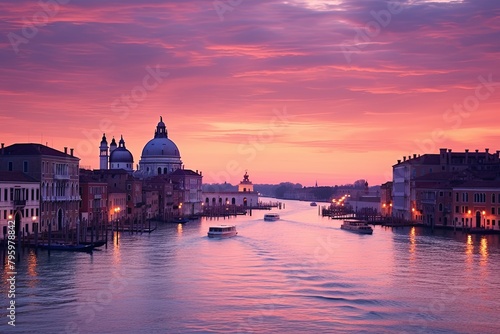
x: 61, y: 177
x: 19, y: 203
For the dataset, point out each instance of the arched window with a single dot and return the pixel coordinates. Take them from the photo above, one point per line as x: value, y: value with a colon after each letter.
x: 159, y: 170
x: 207, y: 201
x: 213, y: 201
x: 233, y: 201
x: 165, y: 170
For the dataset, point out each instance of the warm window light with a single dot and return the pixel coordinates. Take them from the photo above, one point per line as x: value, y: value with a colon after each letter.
x: 469, y: 212
x: 10, y: 216
x: 413, y: 209
x: 383, y: 205
x: 484, y: 212
x: 390, y: 204
x: 34, y: 218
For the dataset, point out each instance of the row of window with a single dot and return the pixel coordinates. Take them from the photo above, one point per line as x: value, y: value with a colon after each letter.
x: 25, y: 213
x: 16, y: 194
x: 478, y: 197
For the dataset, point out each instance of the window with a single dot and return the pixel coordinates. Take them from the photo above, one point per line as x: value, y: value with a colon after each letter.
x: 10, y: 166
x: 492, y: 211
x: 440, y: 207
x: 25, y: 166
x: 493, y: 198
x: 493, y: 222
x: 440, y: 194
x: 465, y: 197
x: 457, y: 209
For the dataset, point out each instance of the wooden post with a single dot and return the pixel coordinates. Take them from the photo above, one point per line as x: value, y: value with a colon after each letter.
x: 36, y: 235
x: 50, y: 233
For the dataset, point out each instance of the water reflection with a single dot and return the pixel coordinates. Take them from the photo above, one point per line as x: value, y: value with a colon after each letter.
x: 483, y: 250
x: 469, y: 250
x: 412, y: 243
x: 179, y: 228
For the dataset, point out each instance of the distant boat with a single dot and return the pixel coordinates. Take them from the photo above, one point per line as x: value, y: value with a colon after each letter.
x: 271, y: 217
x: 180, y: 220
x: 313, y: 204
x: 357, y: 226
x: 222, y: 231
x: 67, y: 247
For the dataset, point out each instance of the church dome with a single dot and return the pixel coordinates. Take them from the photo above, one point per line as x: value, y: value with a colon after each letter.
x: 121, y: 154
x: 160, y: 145
x: 160, y: 155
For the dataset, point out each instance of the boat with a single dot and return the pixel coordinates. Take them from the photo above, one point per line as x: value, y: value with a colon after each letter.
x: 222, y: 231
x: 180, y: 220
x: 67, y: 247
x: 313, y: 204
x: 271, y: 217
x: 99, y: 243
x: 357, y: 226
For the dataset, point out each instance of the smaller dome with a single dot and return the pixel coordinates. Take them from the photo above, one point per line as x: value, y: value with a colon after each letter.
x: 121, y: 155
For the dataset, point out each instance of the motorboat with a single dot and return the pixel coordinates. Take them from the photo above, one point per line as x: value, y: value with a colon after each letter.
x: 313, y: 204
x: 222, y: 231
x: 357, y: 226
x: 271, y: 217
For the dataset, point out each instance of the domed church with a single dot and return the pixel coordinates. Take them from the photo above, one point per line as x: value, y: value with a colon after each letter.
x: 160, y: 155
x: 118, y: 158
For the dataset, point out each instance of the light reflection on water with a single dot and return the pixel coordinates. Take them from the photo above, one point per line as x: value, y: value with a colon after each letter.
x: 299, y: 274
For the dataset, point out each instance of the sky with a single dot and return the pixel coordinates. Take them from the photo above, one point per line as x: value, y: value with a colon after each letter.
x: 300, y: 91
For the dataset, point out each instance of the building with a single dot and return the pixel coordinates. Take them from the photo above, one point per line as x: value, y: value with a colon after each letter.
x: 160, y: 155
x: 57, y: 173
x: 94, y: 204
x: 245, y: 184
x: 119, y: 157
x: 386, y: 199
x: 408, y: 169
x: 243, y: 197
x: 19, y: 202
x: 476, y: 204
x: 187, y: 184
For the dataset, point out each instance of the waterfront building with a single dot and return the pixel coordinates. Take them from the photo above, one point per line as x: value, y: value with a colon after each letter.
x: 19, y: 202
x: 94, y: 205
x: 57, y: 174
x: 408, y: 169
x: 476, y: 204
x: 124, y: 192
x: 386, y: 199
x: 159, y: 188
x: 187, y: 185
x: 242, y: 198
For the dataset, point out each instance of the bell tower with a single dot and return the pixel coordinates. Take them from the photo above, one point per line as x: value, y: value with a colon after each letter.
x: 103, y: 155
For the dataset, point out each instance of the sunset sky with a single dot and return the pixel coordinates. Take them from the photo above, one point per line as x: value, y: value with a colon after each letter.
x: 301, y: 91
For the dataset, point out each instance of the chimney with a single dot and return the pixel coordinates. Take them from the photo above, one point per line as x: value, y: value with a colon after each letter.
x: 404, y: 158
x: 65, y: 150
x: 497, y: 156
x: 414, y: 155
x: 399, y: 161
x: 466, y: 156
x: 2, y: 148
x: 71, y: 151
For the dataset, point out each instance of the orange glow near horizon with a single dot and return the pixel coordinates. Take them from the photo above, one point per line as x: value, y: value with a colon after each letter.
x: 259, y: 91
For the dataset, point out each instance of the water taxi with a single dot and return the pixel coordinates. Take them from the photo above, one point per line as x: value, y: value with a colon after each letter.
x: 222, y: 231
x: 357, y: 226
x: 271, y: 217
x: 313, y: 204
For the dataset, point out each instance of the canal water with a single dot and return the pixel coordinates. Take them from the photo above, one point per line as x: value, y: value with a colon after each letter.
x: 301, y: 274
